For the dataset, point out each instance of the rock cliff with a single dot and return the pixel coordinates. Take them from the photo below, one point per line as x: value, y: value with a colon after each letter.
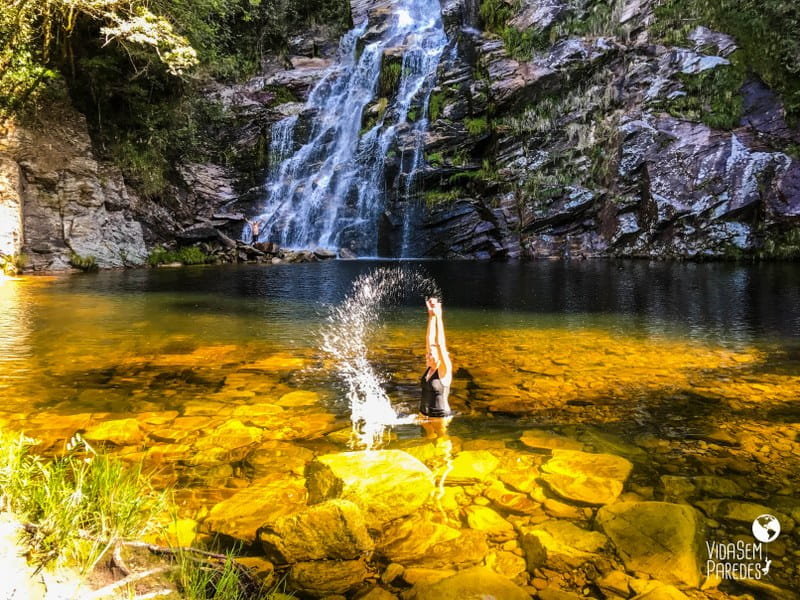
x: 557, y: 128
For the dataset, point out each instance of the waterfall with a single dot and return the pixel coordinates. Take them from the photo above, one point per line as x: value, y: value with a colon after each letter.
x: 331, y: 191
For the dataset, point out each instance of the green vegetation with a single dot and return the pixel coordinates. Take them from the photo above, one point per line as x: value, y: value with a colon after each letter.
x: 435, y: 105
x: 782, y: 246
x: 522, y: 44
x: 12, y: 264
x: 78, y: 505
x: 374, y: 114
x: 281, y: 93
x: 391, y: 71
x: 713, y: 97
x: 136, y: 69
x: 198, y: 580
x: 477, y: 126
x: 765, y: 31
x: 84, y: 263
x: 435, y: 159
x: 495, y: 14
x: 437, y: 197
x: 188, y: 255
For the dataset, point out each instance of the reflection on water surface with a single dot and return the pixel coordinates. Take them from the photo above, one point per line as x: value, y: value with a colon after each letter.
x: 214, y: 375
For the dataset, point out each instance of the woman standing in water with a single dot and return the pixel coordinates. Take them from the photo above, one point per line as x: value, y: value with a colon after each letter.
x: 439, y: 373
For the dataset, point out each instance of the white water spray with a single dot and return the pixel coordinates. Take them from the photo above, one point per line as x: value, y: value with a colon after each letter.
x: 345, y: 339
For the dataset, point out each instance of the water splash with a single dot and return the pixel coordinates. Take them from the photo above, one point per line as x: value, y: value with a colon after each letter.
x: 330, y: 192
x: 346, y: 337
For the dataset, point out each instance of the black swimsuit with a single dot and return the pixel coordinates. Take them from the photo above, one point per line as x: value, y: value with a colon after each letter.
x: 434, y: 396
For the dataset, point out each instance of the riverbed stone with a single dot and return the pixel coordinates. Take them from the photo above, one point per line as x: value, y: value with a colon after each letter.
x: 275, y: 456
x: 584, y: 477
x: 662, y: 592
x: 122, y: 432
x: 415, y: 575
x: 241, y: 515
x: 658, y: 538
x: 298, y: 398
x: 492, y: 524
x: 510, y: 501
x: 419, y: 542
x: 567, y: 543
x: 543, y: 439
x: 477, y: 583
x: 385, y: 484
x: 230, y: 435
x: 742, y: 512
x: 322, y: 578
x: 331, y: 530
x: 506, y: 564
x: 471, y: 466
x: 702, y: 485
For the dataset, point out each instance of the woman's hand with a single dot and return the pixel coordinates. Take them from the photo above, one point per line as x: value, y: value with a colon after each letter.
x: 430, y: 304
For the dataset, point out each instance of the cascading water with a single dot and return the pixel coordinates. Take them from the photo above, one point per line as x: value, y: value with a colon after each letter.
x: 330, y: 192
x: 345, y: 339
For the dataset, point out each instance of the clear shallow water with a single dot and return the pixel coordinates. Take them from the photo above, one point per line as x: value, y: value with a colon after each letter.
x: 661, y: 361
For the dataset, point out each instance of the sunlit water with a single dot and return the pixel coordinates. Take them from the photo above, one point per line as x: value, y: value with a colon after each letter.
x: 654, y: 361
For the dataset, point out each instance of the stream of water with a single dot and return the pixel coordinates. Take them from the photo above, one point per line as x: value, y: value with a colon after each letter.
x: 229, y: 381
x: 330, y: 191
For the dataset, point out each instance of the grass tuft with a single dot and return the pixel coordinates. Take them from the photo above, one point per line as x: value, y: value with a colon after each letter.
x: 77, y: 505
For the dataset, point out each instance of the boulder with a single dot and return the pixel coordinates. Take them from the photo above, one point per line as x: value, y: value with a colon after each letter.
x: 332, y: 530
x: 471, y: 466
x: 323, y: 578
x: 584, y: 477
x: 542, y: 439
x: 566, y: 542
x: 477, y: 583
x: 122, y: 432
x: 230, y: 435
x: 482, y: 518
x: 742, y: 512
x: 513, y: 502
x: 661, y: 539
x: 385, y: 484
x: 702, y: 485
x: 241, y: 515
x: 418, y: 542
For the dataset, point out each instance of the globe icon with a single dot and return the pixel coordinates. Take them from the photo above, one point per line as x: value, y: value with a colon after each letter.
x: 766, y: 528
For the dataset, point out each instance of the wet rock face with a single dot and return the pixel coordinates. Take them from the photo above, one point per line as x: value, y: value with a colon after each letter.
x: 570, y: 151
x: 71, y: 202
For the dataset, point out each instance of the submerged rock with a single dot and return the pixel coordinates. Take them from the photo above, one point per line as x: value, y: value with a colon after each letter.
x: 122, y: 432
x: 422, y: 543
x: 477, y: 583
x: 540, y: 439
x: 565, y: 542
x: 492, y: 524
x: 386, y: 484
x: 322, y: 578
x: 584, y: 477
x: 661, y: 539
x: 241, y: 515
x: 472, y: 466
x: 332, y: 530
